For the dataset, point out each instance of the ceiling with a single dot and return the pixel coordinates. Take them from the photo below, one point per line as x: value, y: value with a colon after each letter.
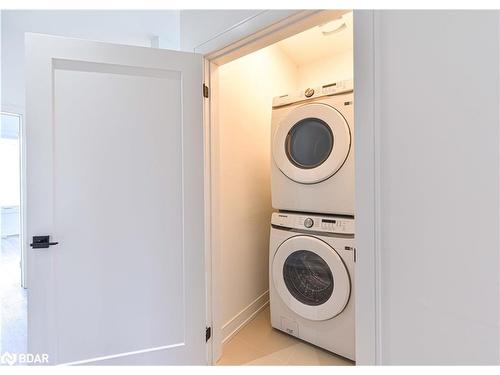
x: 312, y: 45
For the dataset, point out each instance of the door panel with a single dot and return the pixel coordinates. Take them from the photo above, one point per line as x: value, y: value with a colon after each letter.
x: 115, y: 175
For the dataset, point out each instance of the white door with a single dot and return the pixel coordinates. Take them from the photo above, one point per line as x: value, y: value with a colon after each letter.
x: 115, y: 176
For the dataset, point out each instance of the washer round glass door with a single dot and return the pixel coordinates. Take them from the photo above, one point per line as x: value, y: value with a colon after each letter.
x: 311, y: 278
x: 312, y: 143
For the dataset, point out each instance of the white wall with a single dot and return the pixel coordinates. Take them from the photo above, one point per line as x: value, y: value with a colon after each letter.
x: 246, y: 89
x: 326, y: 70
x: 439, y: 186
x: 135, y: 27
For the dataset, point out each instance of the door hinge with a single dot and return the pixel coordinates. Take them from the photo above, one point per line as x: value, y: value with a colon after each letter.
x: 205, y: 91
x: 208, y: 333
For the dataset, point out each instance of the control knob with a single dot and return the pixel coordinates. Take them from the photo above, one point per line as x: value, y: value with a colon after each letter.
x: 308, y: 223
x: 309, y: 92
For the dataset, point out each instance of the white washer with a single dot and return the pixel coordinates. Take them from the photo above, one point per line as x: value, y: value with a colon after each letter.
x: 312, y: 145
x: 311, y: 277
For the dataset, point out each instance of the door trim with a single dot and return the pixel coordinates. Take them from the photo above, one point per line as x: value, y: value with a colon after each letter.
x: 209, y: 254
x: 367, y: 172
x: 260, y: 31
x: 366, y: 25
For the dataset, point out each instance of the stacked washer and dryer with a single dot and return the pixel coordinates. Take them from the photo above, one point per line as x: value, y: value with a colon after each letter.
x: 312, y: 252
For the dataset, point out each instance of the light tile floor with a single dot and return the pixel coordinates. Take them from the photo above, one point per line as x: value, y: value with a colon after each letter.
x: 260, y: 344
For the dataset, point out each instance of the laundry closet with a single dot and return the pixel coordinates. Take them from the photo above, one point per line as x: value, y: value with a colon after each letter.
x: 241, y: 161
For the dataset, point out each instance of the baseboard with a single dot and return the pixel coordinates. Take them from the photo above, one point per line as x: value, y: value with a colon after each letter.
x: 241, y: 319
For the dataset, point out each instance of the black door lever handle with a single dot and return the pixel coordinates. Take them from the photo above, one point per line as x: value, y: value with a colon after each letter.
x: 42, y: 242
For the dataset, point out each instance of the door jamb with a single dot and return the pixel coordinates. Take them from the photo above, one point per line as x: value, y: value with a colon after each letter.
x: 368, y: 350
x: 367, y: 173
x: 209, y: 254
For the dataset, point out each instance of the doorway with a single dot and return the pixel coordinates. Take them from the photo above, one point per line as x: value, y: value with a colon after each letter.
x: 212, y: 86
x: 241, y: 205
x: 12, y: 286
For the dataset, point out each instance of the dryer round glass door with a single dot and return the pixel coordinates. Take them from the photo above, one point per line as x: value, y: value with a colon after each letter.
x: 309, y: 143
x: 312, y: 143
x: 311, y: 278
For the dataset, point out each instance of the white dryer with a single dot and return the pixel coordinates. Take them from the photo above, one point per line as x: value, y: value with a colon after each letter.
x: 311, y: 277
x: 313, y: 150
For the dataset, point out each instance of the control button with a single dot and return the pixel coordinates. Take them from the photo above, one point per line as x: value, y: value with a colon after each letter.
x: 308, y: 223
x: 309, y: 92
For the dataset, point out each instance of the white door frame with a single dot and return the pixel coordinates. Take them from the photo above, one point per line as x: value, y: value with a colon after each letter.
x: 231, y: 45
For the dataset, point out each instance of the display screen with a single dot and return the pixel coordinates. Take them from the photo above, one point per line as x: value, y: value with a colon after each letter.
x: 328, y: 221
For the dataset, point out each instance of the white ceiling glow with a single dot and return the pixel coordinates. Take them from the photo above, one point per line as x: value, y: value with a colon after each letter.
x: 321, y: 41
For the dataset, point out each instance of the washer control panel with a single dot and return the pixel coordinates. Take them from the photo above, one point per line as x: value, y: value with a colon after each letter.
x: 334, y: 88
x: 327, y: 224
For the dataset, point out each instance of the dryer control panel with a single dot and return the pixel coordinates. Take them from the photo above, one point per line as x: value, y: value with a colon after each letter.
x: 317, y: 223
